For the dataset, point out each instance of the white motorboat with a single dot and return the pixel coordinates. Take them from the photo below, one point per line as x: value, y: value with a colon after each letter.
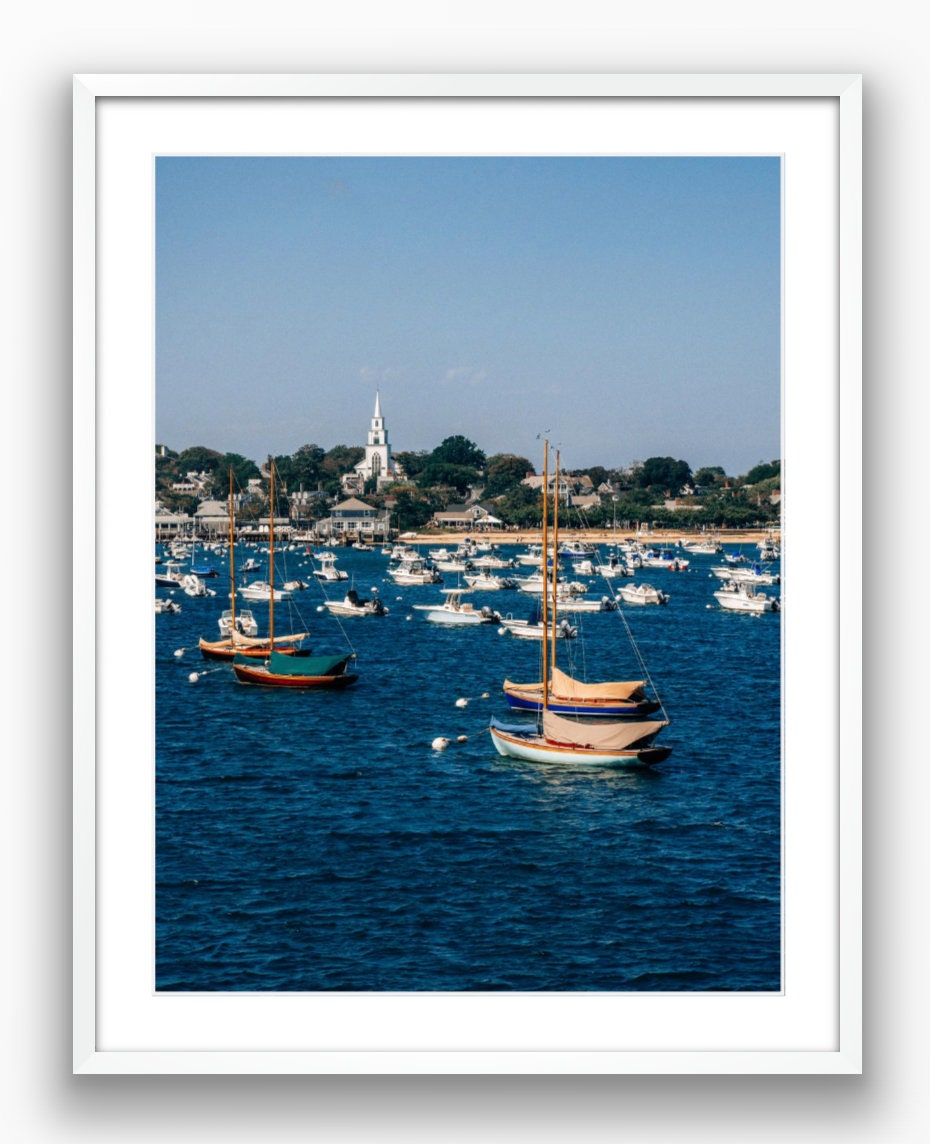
x: 613, y: 568
x: 770, y: 546
x: 663, y: 558
x: 532, y: 558
x: 642, y: 594
x: 246, y: 624
x: 168, y: 606
x: 455, y: 610
x: 169, y: 577
x: 486, y: 581
x: 491, y: 561
x: 415, y: 572
x: 454, y: 564
x: 533, y: 584
x: 328, y: 570
x: 260, y: 590
x: 192, y: 585
x: 741, y: 597
x: 353, y: 605
x: 702, y: 547
x: 577, y: 549
x: 570, y: 603
x: 402, y: 552
x: 746, y: 574
x: 530, y: 630
x: 295, y: 585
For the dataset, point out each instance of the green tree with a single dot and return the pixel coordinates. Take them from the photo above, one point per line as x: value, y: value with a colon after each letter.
x: 710, y: 476
x: 337, y: 461
x: 504, y: 470
x: 763, y: 472
x: 412, y: 510
x: 243, y: 469
x: 637, y: 504
x: 178, y: 502
x: 412, y: 463
x: 597, y: 473
x: 664, y: 473
x: 341, y: 459
x: 521, y: 506
x: 457, y: 477
x: 458, y: 450
x: 199, y: 459
x: 303, y: 469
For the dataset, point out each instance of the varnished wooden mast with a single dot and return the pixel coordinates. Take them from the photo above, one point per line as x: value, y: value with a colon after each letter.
x: 555, y: 562
x: 232, y: 566
x: 545, y: 583
x: 271, y: 558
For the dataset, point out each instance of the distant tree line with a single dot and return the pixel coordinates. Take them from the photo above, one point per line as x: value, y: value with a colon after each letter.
x: 457, y: 467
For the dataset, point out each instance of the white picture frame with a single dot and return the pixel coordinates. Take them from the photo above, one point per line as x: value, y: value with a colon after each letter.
x: 815, y: 1025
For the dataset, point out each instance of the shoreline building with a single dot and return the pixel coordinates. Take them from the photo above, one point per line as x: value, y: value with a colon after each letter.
x: 378, y: 463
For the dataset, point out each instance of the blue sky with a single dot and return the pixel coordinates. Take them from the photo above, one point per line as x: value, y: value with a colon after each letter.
x: 628, y: 307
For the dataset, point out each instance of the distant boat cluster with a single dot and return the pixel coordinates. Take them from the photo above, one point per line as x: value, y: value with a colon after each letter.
x: 555, y: 718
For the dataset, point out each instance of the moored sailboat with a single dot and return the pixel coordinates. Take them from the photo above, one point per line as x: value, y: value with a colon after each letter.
x: 564, y: 731
x: 294, y: 671
x: 239, y: 631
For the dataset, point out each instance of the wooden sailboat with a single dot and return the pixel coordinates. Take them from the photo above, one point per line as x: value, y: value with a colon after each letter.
x: 238, y: 632
x: 291, y: 671
x: 618, y: 737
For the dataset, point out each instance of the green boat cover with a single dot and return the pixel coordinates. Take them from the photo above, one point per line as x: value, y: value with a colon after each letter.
x: 279, y: 664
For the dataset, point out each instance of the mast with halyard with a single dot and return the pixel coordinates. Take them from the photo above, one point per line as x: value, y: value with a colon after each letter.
x: 566, y: 740
x: 235, y: 641
x: 302, y: 672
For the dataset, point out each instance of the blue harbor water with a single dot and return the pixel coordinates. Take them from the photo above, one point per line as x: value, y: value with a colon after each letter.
x: 317, y: 841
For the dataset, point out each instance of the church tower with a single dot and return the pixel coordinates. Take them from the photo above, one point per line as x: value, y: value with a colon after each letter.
x: 378, y: 464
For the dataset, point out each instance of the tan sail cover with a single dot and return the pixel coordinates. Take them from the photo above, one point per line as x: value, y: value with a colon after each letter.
x: 601, y: 736
x: 252, y: 641
x: 562, y: 686
x: 568, y: 688
x: 258, y: 641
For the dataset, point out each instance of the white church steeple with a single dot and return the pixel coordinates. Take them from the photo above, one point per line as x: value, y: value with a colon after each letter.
x: 378, y: 464
x: 377, y: 434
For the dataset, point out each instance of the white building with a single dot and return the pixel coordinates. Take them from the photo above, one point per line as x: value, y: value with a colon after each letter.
x: 353, y: 517
x: 378, y: 463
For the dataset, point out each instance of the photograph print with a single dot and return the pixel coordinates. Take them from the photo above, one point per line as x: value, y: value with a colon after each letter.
x: 468, y: 591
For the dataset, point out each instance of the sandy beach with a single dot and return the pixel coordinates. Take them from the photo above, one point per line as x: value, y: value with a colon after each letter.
x: 734, y: 536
